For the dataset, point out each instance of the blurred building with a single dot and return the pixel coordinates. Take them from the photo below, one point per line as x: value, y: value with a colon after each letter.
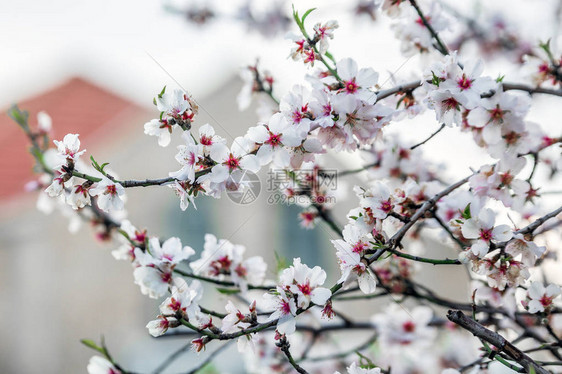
x: 57, y: 287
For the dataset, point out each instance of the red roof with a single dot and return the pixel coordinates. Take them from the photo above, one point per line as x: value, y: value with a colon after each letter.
x: 76, y: 106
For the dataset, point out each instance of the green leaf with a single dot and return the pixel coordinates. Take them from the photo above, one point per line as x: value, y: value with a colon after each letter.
x: 97, y: 166
x: 94, y: 163
x: 90, y: 344
x: 306, y: 14
x: 103, y: 166
x: 368, y: 363
x: 228, y: 291
x: 435, y: 79
x: 500, y: 78
x: 20, y: 116
x: 466, y: 212
x: 400, y: 101
x: 545, y: 46
x: 296, y: 15
x: 281, y: 262
x: 162, y: 92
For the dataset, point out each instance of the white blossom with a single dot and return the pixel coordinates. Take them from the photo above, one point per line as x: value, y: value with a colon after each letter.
x: 110, y: 194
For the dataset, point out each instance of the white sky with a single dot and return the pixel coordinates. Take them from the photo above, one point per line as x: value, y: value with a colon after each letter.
x: 108, y: 42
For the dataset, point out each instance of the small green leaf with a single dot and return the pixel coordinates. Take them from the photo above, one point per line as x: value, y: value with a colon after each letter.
x: 466, y: 212
x: 94, y: 163
x: 162, y: 92
x: 500, y: 78
x: 296, y: 15
x: 103, y: 166
x: 435, y: 79
x: 400, y: 101
x: 368, y: 363
x: 228, y: 291
x: 281, y: 262
x: 90, y: 344
x: 306, y: 14
x: 20, y: 116
x: 545, y: 46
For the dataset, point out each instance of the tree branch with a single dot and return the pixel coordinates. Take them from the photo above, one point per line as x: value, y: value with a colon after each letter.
x: 284, y: 346
x: 459, y: 318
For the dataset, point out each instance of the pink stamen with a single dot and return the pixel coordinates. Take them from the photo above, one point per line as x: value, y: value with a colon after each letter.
x: 464, y: 83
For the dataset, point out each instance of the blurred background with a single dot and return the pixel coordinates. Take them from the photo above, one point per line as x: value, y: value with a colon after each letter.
x: 95, y: 67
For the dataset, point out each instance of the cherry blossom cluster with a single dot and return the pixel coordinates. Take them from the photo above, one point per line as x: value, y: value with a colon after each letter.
x: 110, y: 194
x: 492, y: 217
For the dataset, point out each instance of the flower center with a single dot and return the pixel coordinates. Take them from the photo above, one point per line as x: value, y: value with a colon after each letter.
x: 305, y: 288
x: 359, y: 247
x: 496, y: 114
x: 359, y: 269
x: 327, y: 109
x: 506, y: 179
x: 274, y: 140
x: 543, y: 68
x: 285, y: 307
x: 191, y: 158
x: 486, y: 235
x: 386, y: 206
x: 140, y: 236
x: 166, y: 277
x: 308, y: 216
x: 81, y: 190
x: 545, y: 301
x: 351, y: 87
x: 404, y: 154
x: 241, y: 271
x: 512, y: 137
x: 464, y: 83
x: 206, y: 140
x: 232, y: 162
x: 111, y: 190
x: 409, y: 326
x: 419, y: 21
x: 451, y: 103
x: 174, y: 304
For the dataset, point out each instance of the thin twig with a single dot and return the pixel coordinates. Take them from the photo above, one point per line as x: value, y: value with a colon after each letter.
x: 429, y: 138
x: 210, y: 358
x: 344, y: 354
x: 441, y: 47
x: 174, y: 356
x: 284, y: 346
